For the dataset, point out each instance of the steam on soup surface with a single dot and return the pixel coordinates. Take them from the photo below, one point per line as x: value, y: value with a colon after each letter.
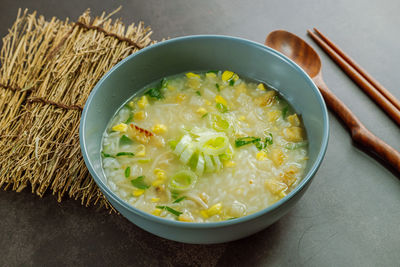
x: 204, y: 147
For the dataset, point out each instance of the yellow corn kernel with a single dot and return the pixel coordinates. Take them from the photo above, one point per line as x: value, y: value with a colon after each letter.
x: 157, y: 182
x: 159, y: 128
x: 155, y: 199
x: 201, y: 111
x: 122, y: 127
x: 156, y: 212
x: 242, y: 118
x: 277, y: 156
x: 261, y: 155
x: 143, y: 102
x: 273, y: 115
x: 171, y: 88
x: 261, y: 87
x: 131, y: 104
x: 211, y: 75
x: 275, y: 187
x: 220, y: 100
x: 141, y: 115
x: 293, y: 134
x: 208, y: 103
x: 294, y: 120
x: 160, y: 174
x: 230, y: 163
x: 137, y: 192
x: 180, y: 98
x: 141, y: 151
x: 204, y: 214
x: 214, y: 209
x: 192, y: 75
x: 185, y: 218
x: 227, y: 75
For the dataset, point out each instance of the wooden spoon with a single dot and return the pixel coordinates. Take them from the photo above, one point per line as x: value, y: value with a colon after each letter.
x: 305, y: 56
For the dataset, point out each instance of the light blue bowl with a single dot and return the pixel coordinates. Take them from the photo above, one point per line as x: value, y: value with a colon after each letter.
x: 194, y: 53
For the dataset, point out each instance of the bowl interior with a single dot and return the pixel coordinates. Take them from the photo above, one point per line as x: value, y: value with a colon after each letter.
x: 194, y: 53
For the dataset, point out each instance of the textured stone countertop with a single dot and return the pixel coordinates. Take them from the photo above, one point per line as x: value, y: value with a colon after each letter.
x: 349, y: 216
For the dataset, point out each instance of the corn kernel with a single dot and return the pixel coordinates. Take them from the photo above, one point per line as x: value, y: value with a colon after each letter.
x: 230, y: 163
x: 211, y: 75
x: 214, y: 209
x: 208, y: 103
x: 201, y: 111
x: 294, y: 120
x: 242, y: 118
x: 143, y: 102
x: 261, y: 155
x: 273, y: 115
x: 192, y: 75
x: 122, y: 127
x: 227, y: 75
x: 220, y: 100
x: 185, y: 218
x: 261, y: 87
x: 137, y: 192
x: 159, y: 128
x: 156, y: 212
x: 277, y: 156
x: 267, y: 99
x: 180, y: 97
x: 293, y: 134
x: 204, y: 213
x: 141, y: 115
x: 157, y: 182
x: 155, y: 199
x: 160, y: 174
x: 141, y: 151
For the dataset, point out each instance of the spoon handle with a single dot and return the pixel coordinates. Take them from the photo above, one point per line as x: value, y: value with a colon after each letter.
x: 359, y: 133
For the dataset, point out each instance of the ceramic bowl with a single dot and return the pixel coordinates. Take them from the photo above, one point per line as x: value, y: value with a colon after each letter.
x: 199, y: 53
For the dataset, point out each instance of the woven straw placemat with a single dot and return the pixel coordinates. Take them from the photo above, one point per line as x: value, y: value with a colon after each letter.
x: 48, y: 69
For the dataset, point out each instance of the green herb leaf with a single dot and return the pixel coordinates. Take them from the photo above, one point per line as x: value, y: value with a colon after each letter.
x: 179, y: 199
x: 139, y: 183
x: 231, y: 82
x: 174, y: 194
x: 127, y: 172
x: 128, y: 154
x: 246, y: 140
x: 157, y: 92
x: 285, y: 111
x: 204, y: 115
x: 125, y: 140
x: 198, y: 93
x: 129, y: 119
x: 105, y: 155
x: 218, y: 88
x: 221, y: 108
x: 171, y: 210
x: 269, y: 140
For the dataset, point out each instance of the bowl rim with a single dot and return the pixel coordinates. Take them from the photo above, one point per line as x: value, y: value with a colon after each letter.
x: 195, y: 225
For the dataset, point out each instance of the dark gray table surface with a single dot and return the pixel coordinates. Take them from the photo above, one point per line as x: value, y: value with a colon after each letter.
x: 349, y: 216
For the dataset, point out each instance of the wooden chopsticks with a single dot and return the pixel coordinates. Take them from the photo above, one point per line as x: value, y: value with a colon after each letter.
x: 389, y: 103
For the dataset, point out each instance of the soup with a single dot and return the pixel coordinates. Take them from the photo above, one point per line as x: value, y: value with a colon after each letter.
x: 204, y: 147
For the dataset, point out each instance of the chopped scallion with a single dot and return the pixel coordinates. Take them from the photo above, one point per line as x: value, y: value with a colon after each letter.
x: 105, y: 155
x: 139, y: 183
x: 179, y: 199
x: 127, y: 172
x: 130, y: 118
x: 128, y: 154
x: 125, y: 140
x: 221, y: 108
x: 218, y: 88
x: 246, y: 140
x: 231, y: 82
x: 198, y: 93
x: 204, y: 115
x: 171, y: 210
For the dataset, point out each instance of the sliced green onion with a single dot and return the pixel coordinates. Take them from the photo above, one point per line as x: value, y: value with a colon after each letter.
x: 219, y: 122
x: 200, y: 165
x: 198, y: 93
x: 204, y: 115
x: 214, y: 144
x: 246, y: 140
x: 127, y: 172
x: 294, y: 146
x: 209, y: 166
x: 231, y: 82
x: 105, y: 155
x: 221, y: 108
x: 187, y: 154
x: 213, y: 71
x: 183, y: 180
x: 128, y: 154
x: 125, y: 140
x: 129, y: 119
x: 218, y: 88
x: 171, y: 210
x: 217, y: 162
x: 174, y: 194
x: 139, y: 183
x: 172, y: 144
x: 179, y: 199
x: 182, y: 144
x: 269, y: 140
